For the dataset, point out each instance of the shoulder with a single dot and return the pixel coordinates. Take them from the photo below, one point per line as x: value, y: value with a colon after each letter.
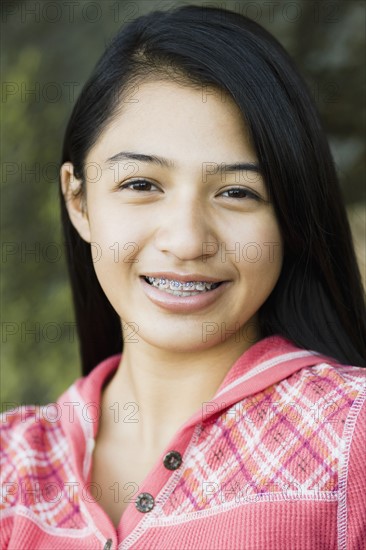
x: 330, y: 396
x: 22, y: 423
x: 29, y: 436
x: 316, y: 416
x: 337, y: 386
x: 326, y: 404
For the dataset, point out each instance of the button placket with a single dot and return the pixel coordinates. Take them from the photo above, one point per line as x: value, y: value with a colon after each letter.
x: 172, y: 460
x: 145, y: 502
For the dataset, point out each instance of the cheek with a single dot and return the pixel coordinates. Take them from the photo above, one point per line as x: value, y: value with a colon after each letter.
x: 270, y: 251
x: 257, y: 245
x: 271, y: 244
x: 115, y: 235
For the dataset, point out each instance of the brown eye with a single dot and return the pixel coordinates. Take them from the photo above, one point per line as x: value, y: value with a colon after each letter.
x: 138, y: 185
x: 239, y: 193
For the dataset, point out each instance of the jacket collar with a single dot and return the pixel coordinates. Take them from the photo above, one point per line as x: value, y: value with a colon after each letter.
x: 265, y: 363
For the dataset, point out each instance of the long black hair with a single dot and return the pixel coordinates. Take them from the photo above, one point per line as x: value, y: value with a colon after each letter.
x: 318, y: 301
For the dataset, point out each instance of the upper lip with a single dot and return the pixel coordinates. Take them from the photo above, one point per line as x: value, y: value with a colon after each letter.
x: 185, y: 277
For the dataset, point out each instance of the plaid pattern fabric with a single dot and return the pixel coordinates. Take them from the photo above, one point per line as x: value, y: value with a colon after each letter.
x: 279, y: 429
x: 283, y: 443
x: 37, y: 474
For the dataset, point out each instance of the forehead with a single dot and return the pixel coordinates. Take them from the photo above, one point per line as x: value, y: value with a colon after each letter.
x: 178, y: 122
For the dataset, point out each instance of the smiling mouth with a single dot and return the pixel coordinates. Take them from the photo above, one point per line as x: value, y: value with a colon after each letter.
x: 181, y: 288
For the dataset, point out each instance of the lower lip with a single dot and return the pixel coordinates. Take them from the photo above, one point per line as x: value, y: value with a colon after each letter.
x: 182, y: 304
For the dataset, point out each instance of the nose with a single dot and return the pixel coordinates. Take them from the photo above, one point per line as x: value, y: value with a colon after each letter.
x: 185, y: 230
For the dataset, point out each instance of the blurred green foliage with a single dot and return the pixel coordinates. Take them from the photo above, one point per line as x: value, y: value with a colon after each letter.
x: 47, y: 54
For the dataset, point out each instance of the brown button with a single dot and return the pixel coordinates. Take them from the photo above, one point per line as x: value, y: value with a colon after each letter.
x: 172, y: 460
x: 145, y: 502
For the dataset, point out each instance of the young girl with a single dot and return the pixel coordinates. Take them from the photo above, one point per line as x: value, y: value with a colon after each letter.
x: 219, y: 308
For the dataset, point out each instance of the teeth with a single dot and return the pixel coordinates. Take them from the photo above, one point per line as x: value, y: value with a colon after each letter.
x: 181, y: 288
x: 188, y: 286
x: 177, y: 293
x: 201, y: 286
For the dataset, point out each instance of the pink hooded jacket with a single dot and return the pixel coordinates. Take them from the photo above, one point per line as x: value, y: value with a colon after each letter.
x: 276, y: 460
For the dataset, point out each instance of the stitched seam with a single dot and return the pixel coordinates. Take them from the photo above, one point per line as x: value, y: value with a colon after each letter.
x: 87, y: 461
x: 343, y: 476
x: 321, y: 497
x: 161, y: 498
x: 87, y: 431
x: 59, y: 531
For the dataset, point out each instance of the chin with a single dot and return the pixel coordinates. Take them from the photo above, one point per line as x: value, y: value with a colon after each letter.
x: 176, y: 342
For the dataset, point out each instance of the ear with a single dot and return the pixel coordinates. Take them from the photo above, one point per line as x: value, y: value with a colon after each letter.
x: 75, y: 201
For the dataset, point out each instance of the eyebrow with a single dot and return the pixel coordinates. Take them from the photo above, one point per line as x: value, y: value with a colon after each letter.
x: 153, y: 159
x: 250, y: 166
x: 161, y: 161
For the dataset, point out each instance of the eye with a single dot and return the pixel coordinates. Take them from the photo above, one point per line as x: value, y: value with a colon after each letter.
x: 138, y: 185
x: 239, y: 193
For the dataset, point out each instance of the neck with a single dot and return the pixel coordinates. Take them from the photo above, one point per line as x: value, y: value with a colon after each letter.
x: 157, y: 390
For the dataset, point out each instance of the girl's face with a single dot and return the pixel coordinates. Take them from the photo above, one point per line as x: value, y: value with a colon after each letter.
x: 162, y: 201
